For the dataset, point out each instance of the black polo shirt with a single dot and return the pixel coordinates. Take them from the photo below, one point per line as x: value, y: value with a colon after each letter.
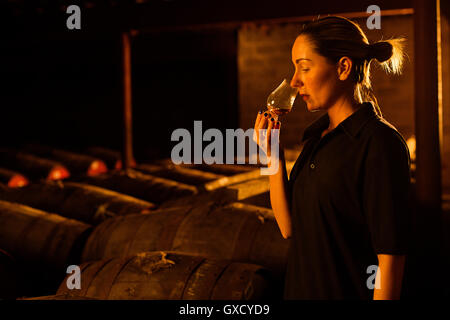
x: 349, y: 202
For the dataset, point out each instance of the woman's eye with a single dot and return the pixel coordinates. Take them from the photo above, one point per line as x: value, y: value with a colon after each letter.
x: 304, y: 70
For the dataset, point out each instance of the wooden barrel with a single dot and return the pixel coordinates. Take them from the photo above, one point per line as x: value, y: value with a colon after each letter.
x: 142, y: 186
x: 222, y: 169
x: 235, y: 232
x: 12, y: 179
x: 261, y: 200
x: 78, y: 201
x: 179, y: 173
x: 9, y: 277
x: 230, y: 180
x: 34, y: 167
x: 204, y: 180
x: 35, y: 236
x: 78, y: 164
x: 223, y: 195
x: 170, y: 275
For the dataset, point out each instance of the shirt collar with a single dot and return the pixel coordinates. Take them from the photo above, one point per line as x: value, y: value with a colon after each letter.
x: 351, y: 126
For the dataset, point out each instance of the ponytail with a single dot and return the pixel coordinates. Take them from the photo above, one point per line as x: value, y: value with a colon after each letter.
x: 389, y: 54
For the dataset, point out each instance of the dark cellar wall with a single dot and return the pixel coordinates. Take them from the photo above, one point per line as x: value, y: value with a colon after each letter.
x: 179, y: 78
x: 67, y: 90
x: 62, y: 90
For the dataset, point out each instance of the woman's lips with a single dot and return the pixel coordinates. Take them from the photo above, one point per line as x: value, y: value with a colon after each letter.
x: 304, y: 96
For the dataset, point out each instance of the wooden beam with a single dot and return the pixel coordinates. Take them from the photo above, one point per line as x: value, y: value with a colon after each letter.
x: 427, y: 107
x: 127, y: 154
x: 229, y: 25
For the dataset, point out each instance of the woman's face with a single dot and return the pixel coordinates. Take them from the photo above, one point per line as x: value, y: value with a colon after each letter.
x: 315, y: 77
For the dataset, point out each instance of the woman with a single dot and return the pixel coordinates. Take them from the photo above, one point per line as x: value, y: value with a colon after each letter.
x: 344, y: 207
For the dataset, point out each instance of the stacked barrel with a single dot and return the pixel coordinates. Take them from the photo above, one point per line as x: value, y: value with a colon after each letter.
x: 156, y: 231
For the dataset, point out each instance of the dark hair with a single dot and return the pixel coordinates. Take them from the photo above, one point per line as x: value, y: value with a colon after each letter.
x: 335, y: 37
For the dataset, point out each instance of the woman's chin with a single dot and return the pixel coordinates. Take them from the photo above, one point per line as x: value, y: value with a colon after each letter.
x: 312, y: 108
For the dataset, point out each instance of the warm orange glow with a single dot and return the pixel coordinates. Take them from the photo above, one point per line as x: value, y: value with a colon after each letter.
x: 58, y: 173
x: 97, y: 167
x: 18, y: 181
x: 118, y: 165
x: 439, y: 73
x: 411, y: 142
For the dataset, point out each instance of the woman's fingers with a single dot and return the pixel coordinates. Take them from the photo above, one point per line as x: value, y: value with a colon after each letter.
x: 269, y: 127
x: 255, y: 129
x: 258, y: 118
x: 258, y: 125
x: 269, y: 134
x: 274, y: 115
x: 277, y: 124
x: 263, y: 122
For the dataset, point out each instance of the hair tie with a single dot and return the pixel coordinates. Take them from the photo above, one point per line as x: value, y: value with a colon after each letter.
x: 381, y: 50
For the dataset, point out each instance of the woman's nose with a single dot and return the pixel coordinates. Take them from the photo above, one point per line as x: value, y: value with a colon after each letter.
x: 292, y: 83
x: 295, y: 82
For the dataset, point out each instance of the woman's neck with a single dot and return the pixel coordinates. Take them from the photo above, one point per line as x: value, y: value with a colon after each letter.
x: 340, y: 111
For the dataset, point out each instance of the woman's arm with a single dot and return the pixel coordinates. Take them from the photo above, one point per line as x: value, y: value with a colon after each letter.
x: 389, y: 276
x: 277, y: 180
x: 279, y: 199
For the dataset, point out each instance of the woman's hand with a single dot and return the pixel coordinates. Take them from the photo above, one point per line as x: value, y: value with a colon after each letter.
x: 265, y: 121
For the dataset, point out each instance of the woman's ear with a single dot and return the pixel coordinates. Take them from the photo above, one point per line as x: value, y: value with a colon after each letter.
x: 344, y: 68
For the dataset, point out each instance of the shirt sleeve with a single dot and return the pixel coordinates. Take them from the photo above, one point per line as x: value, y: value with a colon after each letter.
x: 386, y: 192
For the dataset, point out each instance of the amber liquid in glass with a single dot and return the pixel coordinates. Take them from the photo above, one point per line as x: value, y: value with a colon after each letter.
x: 280, y: 111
